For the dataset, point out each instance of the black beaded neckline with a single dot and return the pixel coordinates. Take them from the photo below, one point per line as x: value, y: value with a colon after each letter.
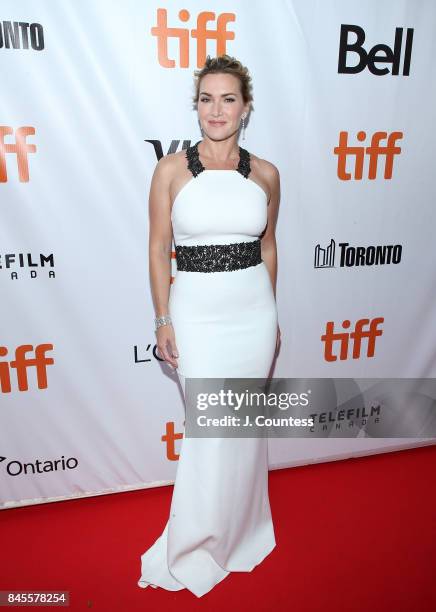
x: 195, y: 165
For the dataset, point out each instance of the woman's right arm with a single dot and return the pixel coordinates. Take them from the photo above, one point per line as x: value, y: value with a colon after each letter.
x: 159, y: 253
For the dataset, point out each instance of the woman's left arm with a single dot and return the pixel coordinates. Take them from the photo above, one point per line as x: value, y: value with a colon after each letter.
x: 268, y: 239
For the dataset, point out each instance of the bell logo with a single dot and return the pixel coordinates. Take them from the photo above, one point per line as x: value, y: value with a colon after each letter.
x: 21, y: 364
x: 21, y: 148
x: 379, y: 54
x: 343, y: 338
x: 201, y: 33
x: 374, y: 151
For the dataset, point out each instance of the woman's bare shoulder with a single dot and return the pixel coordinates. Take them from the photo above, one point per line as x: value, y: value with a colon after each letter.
x: 171, y: 163
x: 266, y: 172
x: 264, y: 167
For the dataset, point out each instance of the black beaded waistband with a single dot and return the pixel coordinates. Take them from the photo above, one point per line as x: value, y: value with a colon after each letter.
x: 218, y: 257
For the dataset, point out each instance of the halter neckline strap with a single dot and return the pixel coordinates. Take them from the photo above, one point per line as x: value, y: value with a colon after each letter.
x: 195, y: 165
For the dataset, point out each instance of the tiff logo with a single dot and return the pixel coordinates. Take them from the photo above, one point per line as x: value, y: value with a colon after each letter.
x: 201, y: 33
x: 331, y: 338
x: 169, y: 439
x: 21, y: 364
x: 20, y: 148
x: 374, y: 151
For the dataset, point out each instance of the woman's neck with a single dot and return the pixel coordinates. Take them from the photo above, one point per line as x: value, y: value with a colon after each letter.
x: 221, y: 152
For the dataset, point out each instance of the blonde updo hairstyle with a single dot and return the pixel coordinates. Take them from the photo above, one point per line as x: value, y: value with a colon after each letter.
x: 227, y: 65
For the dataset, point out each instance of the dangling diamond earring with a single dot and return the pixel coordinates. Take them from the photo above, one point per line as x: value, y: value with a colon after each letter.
x: 243, y: 127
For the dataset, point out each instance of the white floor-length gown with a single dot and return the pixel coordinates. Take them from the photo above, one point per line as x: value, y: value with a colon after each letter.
x: 225, y: 325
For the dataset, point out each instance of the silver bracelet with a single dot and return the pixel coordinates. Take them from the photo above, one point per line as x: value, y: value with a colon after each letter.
x: 164, y: 320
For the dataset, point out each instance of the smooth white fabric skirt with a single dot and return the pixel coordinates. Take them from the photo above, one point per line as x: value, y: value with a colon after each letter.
x: 220, y: 520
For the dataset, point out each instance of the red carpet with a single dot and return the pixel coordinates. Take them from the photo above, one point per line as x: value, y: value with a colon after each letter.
x: 356, y: 535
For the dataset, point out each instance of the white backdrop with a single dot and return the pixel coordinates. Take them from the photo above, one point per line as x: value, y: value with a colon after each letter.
x: 88, y: 105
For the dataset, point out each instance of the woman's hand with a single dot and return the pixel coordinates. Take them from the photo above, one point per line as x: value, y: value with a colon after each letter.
x: 278, y: 339
x: 166, y: 343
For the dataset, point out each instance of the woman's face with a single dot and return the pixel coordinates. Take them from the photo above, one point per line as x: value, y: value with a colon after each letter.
x: 220, y: 105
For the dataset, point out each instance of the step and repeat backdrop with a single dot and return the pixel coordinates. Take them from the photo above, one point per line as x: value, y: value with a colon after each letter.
x: 94, y: 93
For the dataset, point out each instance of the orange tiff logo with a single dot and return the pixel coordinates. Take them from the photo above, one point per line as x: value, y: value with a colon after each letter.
x: 169, y: 438
x: 363, y: 328
x: 374, y: 152
x: 21, y: 365
x: 201, y: 33
x: 20, y: 148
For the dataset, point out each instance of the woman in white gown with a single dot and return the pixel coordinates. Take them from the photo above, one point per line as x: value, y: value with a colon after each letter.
x: 218, y: 319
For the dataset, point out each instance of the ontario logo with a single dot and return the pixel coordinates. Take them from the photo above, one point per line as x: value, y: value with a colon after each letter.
x: 14, y: 467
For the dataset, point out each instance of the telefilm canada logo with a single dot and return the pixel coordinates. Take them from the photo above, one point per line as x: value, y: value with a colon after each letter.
x: 351, y: 256
x: 27, y: 265
x: 15, y: 467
